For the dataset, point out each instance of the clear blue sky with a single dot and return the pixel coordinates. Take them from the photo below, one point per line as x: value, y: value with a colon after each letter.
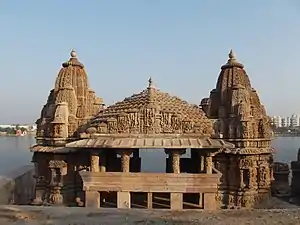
x: 180, y: 43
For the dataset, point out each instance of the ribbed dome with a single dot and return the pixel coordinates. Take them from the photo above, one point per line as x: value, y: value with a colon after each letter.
x: 236, y: 104
x: 72, y: 74
x: 72, y: 90
x: 232, y: 73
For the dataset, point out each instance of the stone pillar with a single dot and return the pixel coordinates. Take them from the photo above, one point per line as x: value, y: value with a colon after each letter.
x: 149, y: 200
x: 94, y: 162
x: 38, y: 191
x: 210, y: 202
x: 103, y: 160
x: 125, y: 160
x: 202, y: 163
x: 92, y: 199
x: 175, y: 158
x: 208, y: 163
x: 123, y: 200
x: 176, y: 201
x: 242, y: 184
x: 176, y: 162
x: 123, y: 197
x: 56, y: 197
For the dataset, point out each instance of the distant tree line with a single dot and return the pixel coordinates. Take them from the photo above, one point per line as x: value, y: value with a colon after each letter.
x: 12, y: 130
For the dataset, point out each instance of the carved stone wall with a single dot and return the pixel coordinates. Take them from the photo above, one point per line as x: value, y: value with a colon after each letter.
x: 241, y: 119
x: 70, y: 104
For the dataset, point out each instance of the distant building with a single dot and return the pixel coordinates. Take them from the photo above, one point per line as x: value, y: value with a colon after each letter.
x: 295, y: 120
x: 29, y: 127
x: 286, y: 122
x: 277, y: 121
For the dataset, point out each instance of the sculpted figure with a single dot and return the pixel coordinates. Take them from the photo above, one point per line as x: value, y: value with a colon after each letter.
x: 243, y: 110
x: 175, y: 123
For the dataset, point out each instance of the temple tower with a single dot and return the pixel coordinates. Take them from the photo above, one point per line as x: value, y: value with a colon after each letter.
x: 242, y: 120
x: 70, y: 105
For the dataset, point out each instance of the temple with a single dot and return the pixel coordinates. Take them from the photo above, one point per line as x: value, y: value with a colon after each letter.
x: 88, y: 155
x: 241, y: 120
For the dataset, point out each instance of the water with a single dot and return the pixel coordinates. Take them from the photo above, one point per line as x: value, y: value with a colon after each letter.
x: 14, y: 152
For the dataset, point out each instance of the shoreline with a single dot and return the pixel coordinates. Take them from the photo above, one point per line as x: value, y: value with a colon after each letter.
x: 14, y: 135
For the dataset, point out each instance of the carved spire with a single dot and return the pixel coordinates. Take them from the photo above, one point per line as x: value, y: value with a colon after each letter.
x: 73, y: 53
x: 232, y: 61
x: 150, y: 83
x: 231, y: 56
x: 150, y: 90
x: 71, y: 102
x: 73, y: 61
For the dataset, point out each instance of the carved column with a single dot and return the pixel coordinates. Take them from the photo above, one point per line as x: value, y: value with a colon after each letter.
x: 202, y: 163
x: 242, y: 184
x: 125, y: 160
x: 103, y: 160
x: 124, y: 197
x: 38, y: 190
x: 175, y: 158
x: 57, y: 168
x: 94, y: 162
x: 208, y: 163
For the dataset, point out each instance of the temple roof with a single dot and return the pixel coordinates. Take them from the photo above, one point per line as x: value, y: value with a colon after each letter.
x: 153, y: 143
x: 151, y: 97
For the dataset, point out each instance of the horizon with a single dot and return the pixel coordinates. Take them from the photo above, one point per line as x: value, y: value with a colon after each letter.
x: 182, y: 46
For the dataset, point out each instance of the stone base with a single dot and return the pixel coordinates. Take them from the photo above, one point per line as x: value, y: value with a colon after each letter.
x: 241, y: 199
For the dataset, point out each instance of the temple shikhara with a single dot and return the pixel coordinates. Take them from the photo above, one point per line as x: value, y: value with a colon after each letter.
x: 87, y: 155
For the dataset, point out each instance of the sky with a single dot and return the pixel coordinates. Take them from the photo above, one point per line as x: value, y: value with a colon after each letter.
x: 181, y: 44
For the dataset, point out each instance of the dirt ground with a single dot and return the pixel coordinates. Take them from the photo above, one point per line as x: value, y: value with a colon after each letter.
x: 17, y: 215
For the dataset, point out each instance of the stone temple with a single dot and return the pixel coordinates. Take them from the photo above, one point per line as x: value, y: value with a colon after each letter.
x: 87, y: 155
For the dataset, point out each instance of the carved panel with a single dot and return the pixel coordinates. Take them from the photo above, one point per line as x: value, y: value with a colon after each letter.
x: 123, y: 123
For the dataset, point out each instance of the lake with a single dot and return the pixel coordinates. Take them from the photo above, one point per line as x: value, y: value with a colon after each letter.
x: 15, y: 153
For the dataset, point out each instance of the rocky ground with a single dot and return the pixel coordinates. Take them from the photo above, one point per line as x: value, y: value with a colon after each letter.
x: 17, y: 215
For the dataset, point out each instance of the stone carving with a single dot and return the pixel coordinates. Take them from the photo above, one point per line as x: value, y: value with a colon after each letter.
x: 176, y: 124
x: 153, y: 112
x: 57, y: 164
x: 70, y: 104
x: 264, y: 176
x: 125, y: 160
x: 102, y: 128
x: 94, y: 162
x: 123, y: 123
x: 55, y: 197
x: 237, y: 106
x: 112, y: 126
x: 246, y: 163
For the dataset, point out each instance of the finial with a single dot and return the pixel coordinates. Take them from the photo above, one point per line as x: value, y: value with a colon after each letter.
x: 150, y: 83
x: 231, y: 55
x: 73, y: 53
